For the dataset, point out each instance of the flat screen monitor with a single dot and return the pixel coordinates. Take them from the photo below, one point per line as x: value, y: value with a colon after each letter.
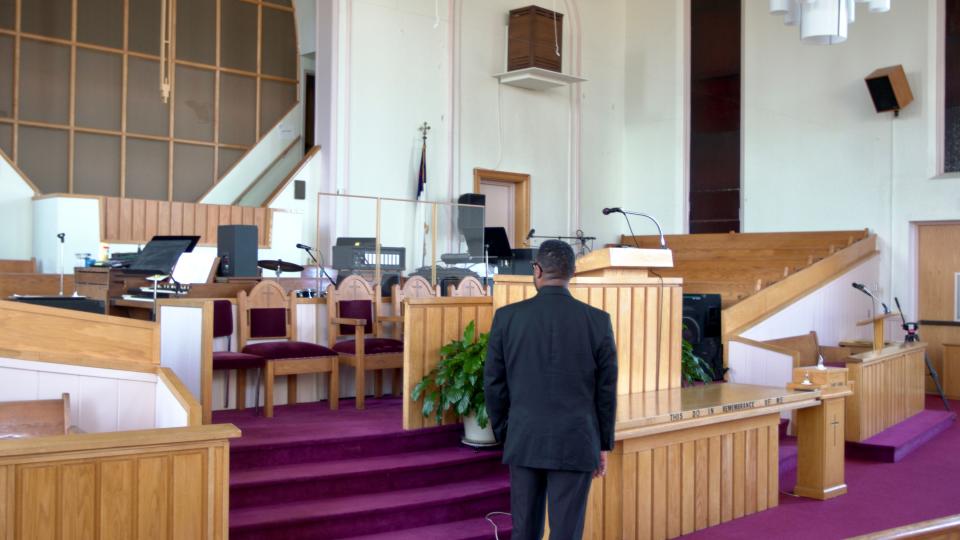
x: 161, y: 254
x: 497, y: 243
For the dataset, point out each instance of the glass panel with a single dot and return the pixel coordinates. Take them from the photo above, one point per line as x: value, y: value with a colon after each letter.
x: 276, y: 100
x: 6, y: 139
x: 197, y: 31
x: 238, y: 46
x: 46, y: 17
x: 279, y: 44
x: 146, y: 176
x: 146, y: 111
x: 100, y: 22
x: 192, y: 171
x: 357, y: 224
x: 96, y: 169
x: 228, y: 156
x: 238, y: 109
x: 43, y: 158
x: 44, y: 82
x: 99, y: 89
x: 145, y: 26
x: 6, y: 76
x: 193, y: 110
x: 8, y: 13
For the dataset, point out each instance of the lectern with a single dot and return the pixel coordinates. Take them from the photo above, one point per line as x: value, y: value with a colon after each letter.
x: 685, y: 458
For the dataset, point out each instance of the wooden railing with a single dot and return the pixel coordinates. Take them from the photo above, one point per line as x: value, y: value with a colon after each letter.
x: 161, y: 483
x: 429, y: 324
x: 945, y: 528
x: 136, y: 221
x: 72, y: 337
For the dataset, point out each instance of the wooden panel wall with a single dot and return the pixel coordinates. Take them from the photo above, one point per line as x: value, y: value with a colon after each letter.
x: 171, y: 483
x: 72, y: 337
x: 951, y: 370
x: 136, y: 221
x: 938, y: 260
x: 14, y: 265
x: 647, y: 330
x: 39, y: 284
x: 429, y: 324
x: 885, y: 393
x: 678, y: 482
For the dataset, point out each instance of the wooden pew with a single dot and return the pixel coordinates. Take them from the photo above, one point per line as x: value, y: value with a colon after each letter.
x: 19, y: 266
x: 945, y: 528
x: 35, y: 418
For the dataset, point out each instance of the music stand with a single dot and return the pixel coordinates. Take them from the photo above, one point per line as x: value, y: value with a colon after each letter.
x: 161, y: 254
x: 496, y: 243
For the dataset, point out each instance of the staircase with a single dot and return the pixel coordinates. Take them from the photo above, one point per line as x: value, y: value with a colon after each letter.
x: 372, y: 485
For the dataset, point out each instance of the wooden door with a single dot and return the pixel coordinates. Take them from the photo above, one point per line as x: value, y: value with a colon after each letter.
x: 938, y: 288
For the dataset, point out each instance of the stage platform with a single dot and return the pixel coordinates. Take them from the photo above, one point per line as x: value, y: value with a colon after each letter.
x: 310, y: 472
x: 896, y: 442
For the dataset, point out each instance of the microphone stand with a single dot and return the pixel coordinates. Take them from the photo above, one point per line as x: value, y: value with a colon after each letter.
x: 663, y: 241
x: 62, y: 237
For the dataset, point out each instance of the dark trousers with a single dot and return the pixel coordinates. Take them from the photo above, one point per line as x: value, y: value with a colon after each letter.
x: 566, y: 494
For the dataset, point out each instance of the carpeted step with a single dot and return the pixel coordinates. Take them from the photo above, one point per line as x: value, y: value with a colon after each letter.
x: 343, y: 517
x: 469, y: 529
x: 248, y: 453
x: 311, y: 481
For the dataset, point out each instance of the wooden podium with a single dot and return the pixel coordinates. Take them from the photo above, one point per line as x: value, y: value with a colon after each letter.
x: 685, y: 458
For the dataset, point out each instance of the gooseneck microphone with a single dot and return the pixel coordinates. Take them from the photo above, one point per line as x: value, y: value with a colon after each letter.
x: 304, y: 247
x: 618, y: 210
x: 863, y: 288
x: 531, y: 233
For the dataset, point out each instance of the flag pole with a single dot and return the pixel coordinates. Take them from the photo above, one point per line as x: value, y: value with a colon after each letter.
x: 422, y: 186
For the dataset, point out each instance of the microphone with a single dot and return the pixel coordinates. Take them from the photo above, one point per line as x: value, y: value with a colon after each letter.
x: 531, y: 233
x: 61, y: 236
x: 304, y: 247
x: 615, y: 209
x: 863, y: 288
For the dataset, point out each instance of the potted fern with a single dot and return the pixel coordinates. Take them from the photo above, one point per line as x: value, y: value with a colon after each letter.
x: 456, y: 384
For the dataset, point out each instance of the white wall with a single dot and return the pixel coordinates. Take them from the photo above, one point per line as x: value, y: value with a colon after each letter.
x: 78, y: 218
x: 812, y: 137
x: 101, y: 400
x: 16, y: 213
x: 395, y: 71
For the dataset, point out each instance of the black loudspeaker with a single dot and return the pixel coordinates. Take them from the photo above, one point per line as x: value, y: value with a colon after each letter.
x: 237, y: 249
x: 889, y: 89
x: 701, y: 327
x: 470, y: 221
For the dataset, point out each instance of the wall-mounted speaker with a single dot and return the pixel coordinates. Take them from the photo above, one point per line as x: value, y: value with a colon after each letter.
x: 889, y: 89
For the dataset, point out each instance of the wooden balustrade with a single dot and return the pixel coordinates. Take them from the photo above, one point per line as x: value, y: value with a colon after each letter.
x: 430, y: 324
x: 160, y: 483
x: 136, y: 221
x: 72, y: 337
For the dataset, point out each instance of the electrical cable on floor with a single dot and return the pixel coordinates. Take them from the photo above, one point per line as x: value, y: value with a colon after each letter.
x: 496, y: 530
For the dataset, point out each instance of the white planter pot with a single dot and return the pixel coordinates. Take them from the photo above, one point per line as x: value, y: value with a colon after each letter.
x: 474, y: 435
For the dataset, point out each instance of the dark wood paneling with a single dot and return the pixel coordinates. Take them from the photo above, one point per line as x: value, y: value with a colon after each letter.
x: 715, y: 116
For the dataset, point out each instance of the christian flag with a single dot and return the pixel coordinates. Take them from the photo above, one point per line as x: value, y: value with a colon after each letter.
x: 422, y: 177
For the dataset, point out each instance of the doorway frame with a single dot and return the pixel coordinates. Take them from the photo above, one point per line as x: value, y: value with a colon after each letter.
x: 521, y: 199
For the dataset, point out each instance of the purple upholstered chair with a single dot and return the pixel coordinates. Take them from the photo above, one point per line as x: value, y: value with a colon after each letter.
x: 354, y: 313
x: 268, y: 313
x: 228, y: 360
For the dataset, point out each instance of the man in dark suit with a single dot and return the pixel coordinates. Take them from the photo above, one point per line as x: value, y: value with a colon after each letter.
x: 550, y: 382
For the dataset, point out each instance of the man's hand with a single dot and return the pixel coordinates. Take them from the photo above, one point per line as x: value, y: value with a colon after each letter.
x: 602, y: 469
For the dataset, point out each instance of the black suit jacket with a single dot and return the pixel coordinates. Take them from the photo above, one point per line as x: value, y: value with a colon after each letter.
x: 550, y: 382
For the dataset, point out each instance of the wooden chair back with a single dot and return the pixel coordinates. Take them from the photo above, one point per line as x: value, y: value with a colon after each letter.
x: 259, y: 313
x: 468, y: 286
x: 352, y: 288
x: 22, y: 419
x: 414, y: 287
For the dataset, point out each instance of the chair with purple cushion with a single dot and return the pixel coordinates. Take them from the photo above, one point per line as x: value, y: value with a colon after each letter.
x: 229, y: 360
x: 268, y: 313
x: 355, y: 312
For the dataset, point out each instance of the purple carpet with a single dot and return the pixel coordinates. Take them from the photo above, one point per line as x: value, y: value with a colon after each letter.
x: 314, y: 473
x: 896, y: 442
x: 923, y: 485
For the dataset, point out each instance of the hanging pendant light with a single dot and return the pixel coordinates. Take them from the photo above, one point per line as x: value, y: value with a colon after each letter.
x: 823, y: 22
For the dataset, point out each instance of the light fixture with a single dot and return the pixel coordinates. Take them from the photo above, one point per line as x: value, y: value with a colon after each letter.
x: 823, y: 22
x: 166, y: 47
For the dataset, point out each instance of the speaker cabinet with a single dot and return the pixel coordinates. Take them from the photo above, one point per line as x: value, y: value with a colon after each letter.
x: 889, y: 89
x: 534, y: 36
x: 237, y: 249
x: 701, y: 327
